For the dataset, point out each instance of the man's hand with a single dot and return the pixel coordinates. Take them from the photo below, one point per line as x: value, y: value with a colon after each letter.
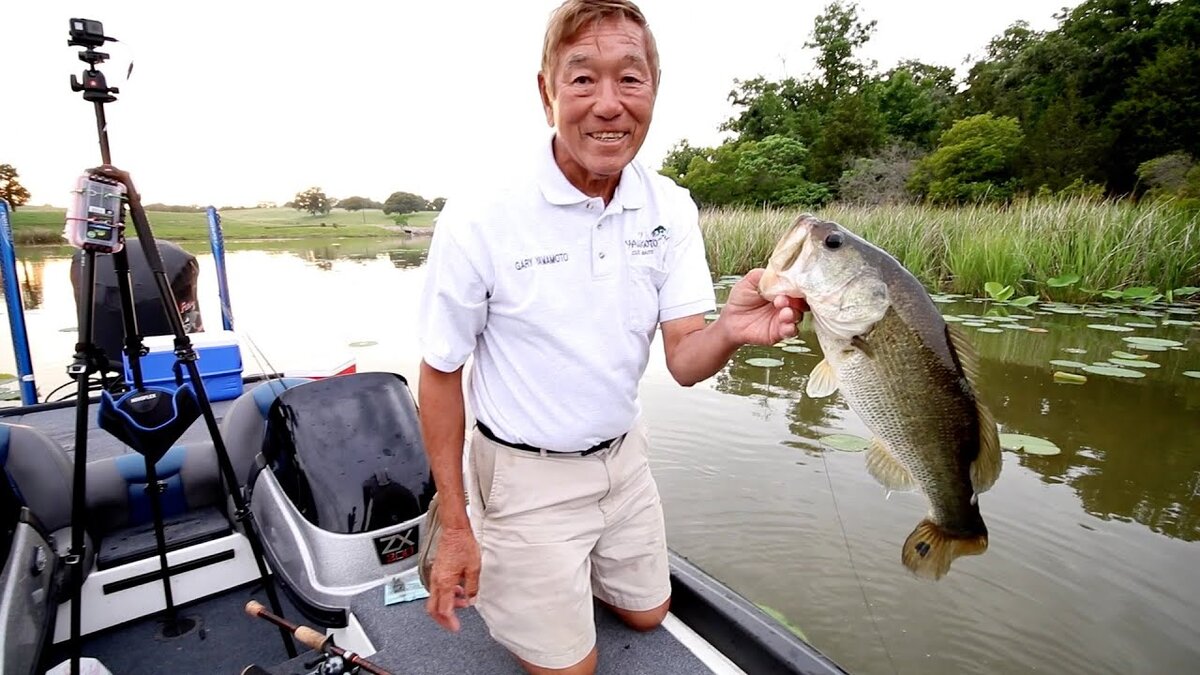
x: 454, y: 576
x: 116, y: 174
x: 748, y: 318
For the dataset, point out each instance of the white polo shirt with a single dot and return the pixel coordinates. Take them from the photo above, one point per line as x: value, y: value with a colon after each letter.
x: 558, y: 298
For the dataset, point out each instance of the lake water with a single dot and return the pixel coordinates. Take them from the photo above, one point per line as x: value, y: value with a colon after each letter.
x: 1094, y: 558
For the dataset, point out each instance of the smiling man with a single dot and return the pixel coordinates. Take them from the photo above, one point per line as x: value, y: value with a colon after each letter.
x: 556, y: 282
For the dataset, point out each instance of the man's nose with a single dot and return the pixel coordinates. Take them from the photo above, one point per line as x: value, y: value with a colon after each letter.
x: 608, y: 100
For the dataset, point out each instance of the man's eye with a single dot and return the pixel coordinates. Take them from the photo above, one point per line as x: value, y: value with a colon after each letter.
x: 581, y: 79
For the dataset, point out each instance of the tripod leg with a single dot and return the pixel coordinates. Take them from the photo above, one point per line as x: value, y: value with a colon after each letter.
x: 173, y: 625
x: 185, y: 352
x: 80, y: 369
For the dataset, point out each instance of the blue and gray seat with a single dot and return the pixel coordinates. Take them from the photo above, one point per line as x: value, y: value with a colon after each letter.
x: 35, y: 508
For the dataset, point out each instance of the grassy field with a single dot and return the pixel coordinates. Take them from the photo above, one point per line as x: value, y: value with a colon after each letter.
x: 44, y: 225
x: 1109, y: 245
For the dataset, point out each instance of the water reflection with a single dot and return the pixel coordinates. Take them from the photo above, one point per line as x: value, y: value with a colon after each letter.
x: 1130, y: 447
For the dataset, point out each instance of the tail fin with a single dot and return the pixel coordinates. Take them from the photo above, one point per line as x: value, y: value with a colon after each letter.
x: 929, y: 550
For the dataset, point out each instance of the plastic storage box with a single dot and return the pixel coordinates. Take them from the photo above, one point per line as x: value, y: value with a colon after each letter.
x: 219, y: 359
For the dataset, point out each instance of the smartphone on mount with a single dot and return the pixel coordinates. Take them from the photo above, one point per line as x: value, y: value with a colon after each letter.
x: 96, y: 214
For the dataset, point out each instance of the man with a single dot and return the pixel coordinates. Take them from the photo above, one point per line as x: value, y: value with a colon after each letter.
x: 555, y: 282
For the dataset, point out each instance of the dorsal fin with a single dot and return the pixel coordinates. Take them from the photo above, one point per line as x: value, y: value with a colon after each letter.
x: 986, y: 467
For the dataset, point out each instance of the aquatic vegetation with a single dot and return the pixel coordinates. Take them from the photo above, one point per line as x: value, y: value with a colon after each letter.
x: 1068, y: 250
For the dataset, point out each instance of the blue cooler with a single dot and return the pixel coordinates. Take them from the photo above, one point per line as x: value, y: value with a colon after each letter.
x: 218, y: 357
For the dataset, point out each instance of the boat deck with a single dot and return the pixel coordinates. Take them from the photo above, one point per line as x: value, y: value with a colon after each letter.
x: 709, y: 630
x: 227, y: 640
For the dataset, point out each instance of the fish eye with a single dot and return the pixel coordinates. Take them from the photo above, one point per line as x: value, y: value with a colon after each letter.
x: 833, y: 240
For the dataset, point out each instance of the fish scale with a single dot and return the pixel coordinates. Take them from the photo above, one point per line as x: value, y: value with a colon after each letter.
x: 908, y: 398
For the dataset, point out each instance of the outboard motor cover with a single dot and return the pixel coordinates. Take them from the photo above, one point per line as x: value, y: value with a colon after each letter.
x: 182, y: 272
x: 348, y: 452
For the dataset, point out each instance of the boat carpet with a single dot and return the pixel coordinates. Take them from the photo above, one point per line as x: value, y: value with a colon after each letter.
x: 227, y: 640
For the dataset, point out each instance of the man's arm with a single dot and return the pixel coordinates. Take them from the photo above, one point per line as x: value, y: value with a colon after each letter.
x: 454, y: 578
x: 443, y: 420
x: 695, y: 351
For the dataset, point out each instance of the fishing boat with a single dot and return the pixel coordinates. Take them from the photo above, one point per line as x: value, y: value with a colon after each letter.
x: 257, y: 523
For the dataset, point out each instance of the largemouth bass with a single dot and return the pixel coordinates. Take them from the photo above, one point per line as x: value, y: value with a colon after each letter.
x: 907, y: 373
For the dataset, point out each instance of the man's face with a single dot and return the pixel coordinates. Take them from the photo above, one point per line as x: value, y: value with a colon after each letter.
x: 600, y: 98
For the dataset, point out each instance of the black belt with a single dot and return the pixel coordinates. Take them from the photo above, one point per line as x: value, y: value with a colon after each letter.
x: 602, y: 445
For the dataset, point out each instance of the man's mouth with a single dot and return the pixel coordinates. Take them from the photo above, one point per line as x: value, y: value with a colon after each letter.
x: 608, y: 136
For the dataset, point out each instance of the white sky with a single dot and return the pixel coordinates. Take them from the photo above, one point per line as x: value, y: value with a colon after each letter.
x: 233, y: 103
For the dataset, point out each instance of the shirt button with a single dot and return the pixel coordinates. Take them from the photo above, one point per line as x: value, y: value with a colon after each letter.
x: 602, y: 255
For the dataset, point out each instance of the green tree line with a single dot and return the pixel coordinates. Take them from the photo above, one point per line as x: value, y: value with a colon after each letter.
x: 315, y: 201
x: 1107, y: 103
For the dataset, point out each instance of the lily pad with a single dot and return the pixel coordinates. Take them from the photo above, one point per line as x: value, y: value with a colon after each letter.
x: 778, y: 616
x: 1133, y: 363
x: 989, y: 330
x: 1113, y: 371
x: 1110, y: 327
x: 1126, y: 355
x: 1152, y: 342
x: 1176, y: 322
x: 846, y: 442
x: 1031, y: 445
x: 1061, y: 363
x: 764, y: 362
x: 1064, y: 280
x: 1139, y: 324
x: 1154, y: 348
x: 1074, y: 350
x: 975, y: 324
x: 796, y: 349
x: 364, y: 343
x: 950, y: 318
x: 1068, y: 378
x: 711, y: 316
x: 1192, y: 373
x: 1065, y: 310
x: 1035, y: 329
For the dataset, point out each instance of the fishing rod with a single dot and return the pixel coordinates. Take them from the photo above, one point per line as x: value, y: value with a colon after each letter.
x: 314, y: 640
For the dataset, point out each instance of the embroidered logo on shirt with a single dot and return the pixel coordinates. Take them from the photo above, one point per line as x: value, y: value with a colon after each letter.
x: 643, y: 245
x: 524, y: 263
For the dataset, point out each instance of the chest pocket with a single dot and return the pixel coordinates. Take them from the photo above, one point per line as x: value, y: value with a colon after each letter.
x: 646, y: 276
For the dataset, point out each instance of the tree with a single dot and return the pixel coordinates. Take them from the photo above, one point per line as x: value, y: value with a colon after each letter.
x: 404, y: 202
x: 975, y: 161
x: 313, y: 200
x: 880, y: 179
x: 437, y: 204
x: 11, y: 189
x: 836, y: 34
x: 358, y: 204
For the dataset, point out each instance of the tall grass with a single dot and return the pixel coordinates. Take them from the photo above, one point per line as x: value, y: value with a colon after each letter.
x: 1109, y: 244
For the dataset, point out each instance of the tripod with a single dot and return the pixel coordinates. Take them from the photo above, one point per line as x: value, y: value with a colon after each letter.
x: 188, y: 401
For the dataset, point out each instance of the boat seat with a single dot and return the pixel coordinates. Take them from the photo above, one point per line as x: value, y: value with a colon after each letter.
x: 245, y: 423
x: 36, y: 500
x: 120, y: 516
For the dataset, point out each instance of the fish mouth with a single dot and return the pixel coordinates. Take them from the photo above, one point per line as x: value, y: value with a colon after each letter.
x: 791, y: 252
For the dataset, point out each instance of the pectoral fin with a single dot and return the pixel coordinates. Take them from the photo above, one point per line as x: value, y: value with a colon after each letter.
x: 985, y: 469
x: 822, y: 381
x: 885, y: 468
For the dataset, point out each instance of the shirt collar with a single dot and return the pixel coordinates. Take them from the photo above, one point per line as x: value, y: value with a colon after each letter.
x: 630, y: 194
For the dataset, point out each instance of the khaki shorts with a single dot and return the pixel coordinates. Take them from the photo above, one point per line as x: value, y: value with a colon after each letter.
x: 553, y: 532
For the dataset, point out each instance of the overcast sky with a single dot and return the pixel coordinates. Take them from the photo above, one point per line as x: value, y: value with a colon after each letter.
x: 233, y: 103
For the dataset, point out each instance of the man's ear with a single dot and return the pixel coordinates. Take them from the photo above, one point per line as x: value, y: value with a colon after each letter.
x: 547, y: 106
